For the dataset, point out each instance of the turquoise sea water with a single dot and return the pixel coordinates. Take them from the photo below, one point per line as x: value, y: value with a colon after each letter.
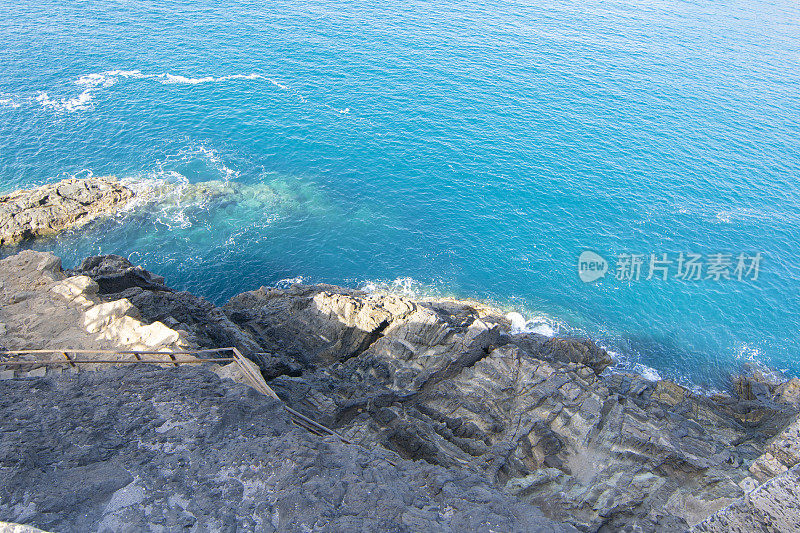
x: 433, y: 147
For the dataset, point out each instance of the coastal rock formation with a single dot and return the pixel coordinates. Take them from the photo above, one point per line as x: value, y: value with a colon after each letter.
x: 450, y: 384
x: 147, y: 449
x: 54, y: 207
x: 772, y: 506
x: 113, y: 273
x: 200, y: 323
x: 780, y: 454
x: 42, y: 307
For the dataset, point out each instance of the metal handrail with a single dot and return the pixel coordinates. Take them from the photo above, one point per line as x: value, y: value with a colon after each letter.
x: 253, y: 377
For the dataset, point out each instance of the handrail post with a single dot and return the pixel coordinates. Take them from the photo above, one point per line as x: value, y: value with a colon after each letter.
x: 69, y: 359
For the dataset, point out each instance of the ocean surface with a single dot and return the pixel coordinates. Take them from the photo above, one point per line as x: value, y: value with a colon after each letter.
x: 459, y: 148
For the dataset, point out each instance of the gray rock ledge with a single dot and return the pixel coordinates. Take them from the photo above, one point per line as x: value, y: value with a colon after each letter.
x: 141, y: 448
x: 32, y: 213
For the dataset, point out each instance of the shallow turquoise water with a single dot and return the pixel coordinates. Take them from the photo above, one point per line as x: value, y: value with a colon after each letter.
x: 434, y: 147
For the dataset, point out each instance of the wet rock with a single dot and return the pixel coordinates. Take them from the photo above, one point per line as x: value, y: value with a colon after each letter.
x: 28, y: 214
x: 582, y: 351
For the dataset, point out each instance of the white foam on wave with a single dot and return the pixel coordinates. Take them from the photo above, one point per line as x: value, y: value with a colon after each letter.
x: 344, y: 111
x: 724, y: 217
x: 214, y: 158
x: 288, y: 282
x: 77, y: 103
x: 403, y: 286
x: 741, y: 214
x: 166, y: 175
x: 745, y: 352
x: 647, y: 372
x: 158, y: 190
x: 168, y: 191
x: 539, y: 324
x: 94, y: 82
x: 163, y: 189
x: 623, y: 363
x: 91, y: 84
x: 168, y: 78
x: 9, y: 101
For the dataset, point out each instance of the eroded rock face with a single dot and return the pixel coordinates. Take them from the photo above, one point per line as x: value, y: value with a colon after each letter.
x: 28, y: 214
x: 146, y: 449
x: 780, y: 454
x: 448, y: 383
x: 772, y: 506
x: 43, y: 307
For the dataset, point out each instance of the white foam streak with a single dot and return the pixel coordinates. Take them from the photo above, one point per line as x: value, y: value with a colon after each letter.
x: 95, y: 82
x: 541, y: 325
x: 175, y: 78
x: 9, y: 101
x: 81, y: 102
x: 169, y: 78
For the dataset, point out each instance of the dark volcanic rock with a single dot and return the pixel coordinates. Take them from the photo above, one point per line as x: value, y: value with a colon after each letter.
x: 28, y: 214
x: 142, y: 449
x: 115, y: 274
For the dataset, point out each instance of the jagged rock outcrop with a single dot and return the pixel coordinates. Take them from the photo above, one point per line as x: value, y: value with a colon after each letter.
x: 147, y: 449
x: 780, y: 454
x: 43, y: 307
x: 27, y: 214
x: 771, y: 507
x: 114, y: 273
x: 450, y: 384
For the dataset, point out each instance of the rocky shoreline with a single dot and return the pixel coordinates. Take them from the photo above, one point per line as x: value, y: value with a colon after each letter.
x: 447, y: 389
x: 442, y: 382
x: 71, y: 203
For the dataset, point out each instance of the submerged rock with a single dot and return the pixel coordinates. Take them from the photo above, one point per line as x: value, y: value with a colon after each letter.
x: 27, y: 214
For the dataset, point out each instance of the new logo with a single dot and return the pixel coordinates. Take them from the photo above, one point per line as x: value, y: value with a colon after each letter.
x: 591, y: 266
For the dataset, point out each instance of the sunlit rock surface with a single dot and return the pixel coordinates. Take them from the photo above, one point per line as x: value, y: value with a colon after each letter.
x: 448, y: 384
x: 54, y: 207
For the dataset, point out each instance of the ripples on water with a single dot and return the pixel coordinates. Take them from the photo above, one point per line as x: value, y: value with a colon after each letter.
x: 436, y: 148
